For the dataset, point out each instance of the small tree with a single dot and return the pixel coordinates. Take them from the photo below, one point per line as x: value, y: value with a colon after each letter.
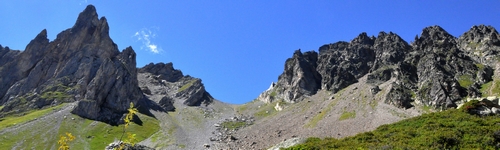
x: 128, y: 119
x: 64, y: 140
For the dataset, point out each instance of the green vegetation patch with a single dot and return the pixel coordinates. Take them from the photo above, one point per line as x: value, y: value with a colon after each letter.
x: 465, y: 80
x: 427, y: 108
x: 89, y: 134
x: 233, y: 124
x: 490, y: 88
x: 314, y: 121
x: 98, y: 135
x: 473, y: 45
x: 480, y: 66
x: 347, y: 115
x: 54, y: 95
x: 186, y: 86
x: 265, y: 111
x: 11, y: 120
x: 240, y: 109
x: 450, y: 129
x: 273, y: 94
x: 182, y: 146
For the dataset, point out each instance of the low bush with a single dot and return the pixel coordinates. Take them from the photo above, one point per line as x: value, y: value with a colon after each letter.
x: 450, y: 129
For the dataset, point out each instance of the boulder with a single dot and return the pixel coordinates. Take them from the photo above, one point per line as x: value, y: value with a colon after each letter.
x: 167, y: 103
x: 126, y: 146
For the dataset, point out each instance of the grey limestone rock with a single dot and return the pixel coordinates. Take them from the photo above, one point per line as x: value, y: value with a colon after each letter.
x: 299, y: 79
x: 82, y: 64
x: 482, y: 43
x: 342, y: 63
x: 176, y: 86
x: 436, y: 69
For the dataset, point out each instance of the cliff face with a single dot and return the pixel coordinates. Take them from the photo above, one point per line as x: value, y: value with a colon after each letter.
x: 299, y: 79
x: 437, y: 69
x: 81, y: 64
x: 84, y: 65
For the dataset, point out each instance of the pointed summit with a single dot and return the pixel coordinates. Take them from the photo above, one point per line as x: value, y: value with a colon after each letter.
x: 435, y: 33
x: 363, y: 38
x: 40, y: 40
x: 88, y: 21
x: 87, y: 18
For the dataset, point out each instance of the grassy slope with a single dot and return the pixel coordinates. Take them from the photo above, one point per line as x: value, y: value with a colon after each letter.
x: 11, y: 120
x: 98, y: 135
x: 451, y: 129
x: 89, y: 134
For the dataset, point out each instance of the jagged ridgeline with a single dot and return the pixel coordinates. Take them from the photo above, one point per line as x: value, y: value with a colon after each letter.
x: 436, y: 70
x: 84, y: 65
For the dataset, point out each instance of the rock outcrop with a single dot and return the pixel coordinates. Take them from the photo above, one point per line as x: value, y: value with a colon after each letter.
x: 82, y: 64
x: 7, y: 55
x: 437, y: 69
x: 299, y: 79
x: 342, y: 63
x: 482, y: 43
x: 163, y: 79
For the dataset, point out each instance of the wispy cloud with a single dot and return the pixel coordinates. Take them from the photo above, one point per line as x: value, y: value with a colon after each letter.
x: 146, y: 36
x: 82, y: 2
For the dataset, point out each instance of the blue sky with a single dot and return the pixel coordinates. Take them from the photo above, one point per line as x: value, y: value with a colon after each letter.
x: 238, y: 47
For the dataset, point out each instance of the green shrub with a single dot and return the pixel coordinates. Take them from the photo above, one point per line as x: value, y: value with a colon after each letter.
x: 469, y: 105
x: 450, y: 129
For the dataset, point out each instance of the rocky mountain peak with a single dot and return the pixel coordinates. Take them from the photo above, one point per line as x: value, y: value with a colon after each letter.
x: 42, y: 36
x: 40, y: 40
x: 333, y: 46
x: 390, y: 49
x: 435, y: 36
x: 482, y: 34
x: 481, y: 43
x: 482, y: 31
x: 165, y: 71
x: 434, y: 33
x: 363, y: 39
x: 82, y: 64
x: 299, y: 79
x: 88, y: 18
x: 437, y: 69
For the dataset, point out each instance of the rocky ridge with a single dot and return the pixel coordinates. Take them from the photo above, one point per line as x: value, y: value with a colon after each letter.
x: 164, y: 84
x: 436, y: 70
x: 83, y: 64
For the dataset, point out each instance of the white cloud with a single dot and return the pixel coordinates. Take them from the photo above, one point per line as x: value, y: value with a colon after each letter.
x: 82, y: 2
x: 146, y: 36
